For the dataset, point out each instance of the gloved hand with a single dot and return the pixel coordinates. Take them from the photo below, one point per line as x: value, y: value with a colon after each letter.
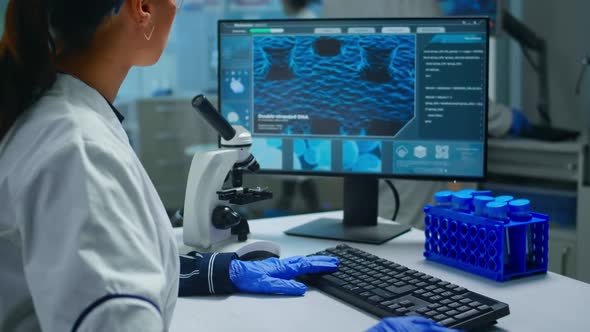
x: 408, y: 324
x: 519, y: 124
x: 272, y: 275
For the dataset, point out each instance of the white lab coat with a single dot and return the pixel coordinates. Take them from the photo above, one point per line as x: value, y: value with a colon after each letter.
x: 84, y: 238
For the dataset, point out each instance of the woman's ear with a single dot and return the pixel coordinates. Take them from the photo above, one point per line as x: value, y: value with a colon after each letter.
x: 141, y: 11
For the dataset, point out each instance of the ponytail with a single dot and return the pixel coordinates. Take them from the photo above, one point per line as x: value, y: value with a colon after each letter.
x: 27, y: 55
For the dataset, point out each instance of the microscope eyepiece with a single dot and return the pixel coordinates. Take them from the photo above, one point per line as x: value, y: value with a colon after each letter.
x: 213, y: 117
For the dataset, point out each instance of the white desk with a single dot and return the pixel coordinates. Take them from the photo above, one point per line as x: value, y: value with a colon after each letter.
x: 540, y: 303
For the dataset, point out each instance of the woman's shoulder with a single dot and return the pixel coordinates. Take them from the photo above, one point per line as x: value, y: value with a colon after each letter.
x: 54, y: 129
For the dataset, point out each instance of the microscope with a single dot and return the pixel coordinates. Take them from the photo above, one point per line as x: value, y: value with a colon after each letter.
x: 210, y: 222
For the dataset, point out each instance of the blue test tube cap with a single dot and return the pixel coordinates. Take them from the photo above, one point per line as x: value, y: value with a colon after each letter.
x: 482, y: 201
x: 497, y: 210
x: 520, y: 209
x: 462, y: 201
x: 466, y: 191
x: 505, y: 198
x: 520, y: 205
x: 443, y: 197
x: 462, y: 198
x: 482, y: 193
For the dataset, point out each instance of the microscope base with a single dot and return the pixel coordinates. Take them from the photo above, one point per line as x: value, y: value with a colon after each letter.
x: 250, y: 249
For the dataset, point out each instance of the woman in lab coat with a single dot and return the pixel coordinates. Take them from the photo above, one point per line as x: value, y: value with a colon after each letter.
x: 85, y: 242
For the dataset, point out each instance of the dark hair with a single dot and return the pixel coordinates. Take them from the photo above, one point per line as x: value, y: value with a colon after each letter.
x: 27, y: 47
x: 300, y: 4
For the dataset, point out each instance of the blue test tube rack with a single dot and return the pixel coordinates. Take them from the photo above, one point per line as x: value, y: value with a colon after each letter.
x: 498, y: 238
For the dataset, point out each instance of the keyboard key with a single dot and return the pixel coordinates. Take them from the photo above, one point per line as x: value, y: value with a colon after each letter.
x: 448, y: 322
x: 431, y: 287
x: 366, y: 294
x: 445, y: 301
x: 452, y: 313
x: 439, y: 317
x: 413, y: 313
x: 474, y: 304
x: 387, y: 303
x: 457, y: 297
x: 429, y: 294
x: 401, y: 310
x: 421, y: 284
x: 431, y: 313
x: 484, y: 307
x: 423, y: 310
x: 464, y: 301
x: 383, y: 285
x: 438, y: 291
x: 463, y: 308
x: 394, y: 307
x: 369, y: 287
x: 358, y: 290
x: 400, y: 290
x: 467, y: 314
x: 419, y: 292
x: 460, y: 290
x: 446, y: 294
x: 383, y: 293
x: 434, y: 306
x: 454, y: 305
x: 436, y: 298
x: 443, y: 309
x: 406, y: 303
x: 334, y: 280
x: 375, y: 298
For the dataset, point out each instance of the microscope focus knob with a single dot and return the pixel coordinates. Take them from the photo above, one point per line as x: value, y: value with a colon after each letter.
x: 225, y: 218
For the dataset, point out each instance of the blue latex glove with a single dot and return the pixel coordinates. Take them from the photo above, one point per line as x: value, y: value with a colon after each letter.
x: 273, y: 275
x: 520, y: 123
x: 408, y: 324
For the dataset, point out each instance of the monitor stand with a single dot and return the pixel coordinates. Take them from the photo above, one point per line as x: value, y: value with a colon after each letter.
x: 361, y: 196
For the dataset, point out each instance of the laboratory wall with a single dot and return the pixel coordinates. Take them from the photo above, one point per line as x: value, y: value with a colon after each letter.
x: 565, y: 25
x: 2, y: 13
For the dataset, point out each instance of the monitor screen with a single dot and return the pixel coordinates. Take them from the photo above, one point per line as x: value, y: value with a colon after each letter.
x: 386, y: 97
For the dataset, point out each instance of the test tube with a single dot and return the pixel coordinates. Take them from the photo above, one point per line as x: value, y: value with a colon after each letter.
x: 466, y: 191
x: 519, y: 212
x: 444, y: 198
x: 482, y: 193
x: 462, y: 202
x: 499, y: 210
x: 504, y: 198
x: 479, y: 204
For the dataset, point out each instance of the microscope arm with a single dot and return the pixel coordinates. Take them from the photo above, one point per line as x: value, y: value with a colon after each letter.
x: 206, y: 176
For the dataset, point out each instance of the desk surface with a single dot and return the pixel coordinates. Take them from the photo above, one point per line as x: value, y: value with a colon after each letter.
x: 540, y: 303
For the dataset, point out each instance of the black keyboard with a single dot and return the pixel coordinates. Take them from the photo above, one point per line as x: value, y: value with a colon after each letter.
x: 384, y: 289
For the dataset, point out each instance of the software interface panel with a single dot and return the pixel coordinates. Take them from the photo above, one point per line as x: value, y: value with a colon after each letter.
x: 398, y: 97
